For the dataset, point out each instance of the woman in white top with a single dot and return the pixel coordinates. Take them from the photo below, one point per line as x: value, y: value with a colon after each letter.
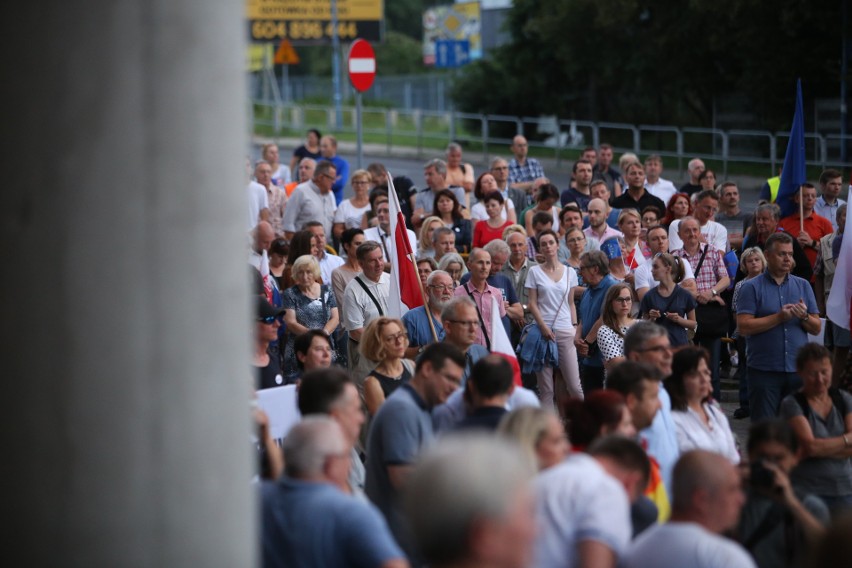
x: 485, y: 185
x: 616, y: 320
x: 551, y: 303
x: 699, y: 421
x: 280, y: 173
x: 350, y: 212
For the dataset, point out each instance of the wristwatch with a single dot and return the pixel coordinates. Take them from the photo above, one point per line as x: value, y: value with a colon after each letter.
x: 714, y: 292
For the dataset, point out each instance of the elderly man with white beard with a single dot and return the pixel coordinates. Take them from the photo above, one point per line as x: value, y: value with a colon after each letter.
x: 439, y: 291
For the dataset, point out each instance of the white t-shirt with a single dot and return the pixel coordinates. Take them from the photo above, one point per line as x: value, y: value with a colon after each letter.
x: 663, y: 189
x: 282, y: 177
x: 386, y: 240
x: 643, y: 279
x: 685, y: 544
x: 715, y: 233
x: 576, y: 501
x: 350, y: 215
x: 478, y: 213
x: 551, y: 296
x: 257, y: 201
x: 693, y: 434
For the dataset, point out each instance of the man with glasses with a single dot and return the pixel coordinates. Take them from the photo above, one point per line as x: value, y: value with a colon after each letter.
x: 402, y: 428
x: 775, y: 313
x: 461, y: 327
x: 594, y: 269
x: 365, y: 299
x: 706, y: 206
x: 647, y: 342
x: 312, y: 201
x: 439, y: 292
x: 500, y: 171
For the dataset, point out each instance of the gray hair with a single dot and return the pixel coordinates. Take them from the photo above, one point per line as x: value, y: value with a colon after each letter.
x: 450, y: 258
x: 496, y: 161
x: 449, y: 311
x: 323, y: 167
x: 694, y: 162
x: 770, y: 208
x: 596, y: 259
x: 439, y: 165
x: 684, y: 220
x: 440, y: 231
x: 453, y: 146
x: 497, y: 246
x: 310, y: 443
x: 459, y: 482
x: 640, y: 333
x: 434, y: 274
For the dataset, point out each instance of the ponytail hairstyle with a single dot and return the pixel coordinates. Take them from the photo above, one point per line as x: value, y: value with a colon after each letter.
x: 676, y: 264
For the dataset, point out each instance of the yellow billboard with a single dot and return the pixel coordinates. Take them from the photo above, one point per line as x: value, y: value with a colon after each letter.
x: 309, y: 21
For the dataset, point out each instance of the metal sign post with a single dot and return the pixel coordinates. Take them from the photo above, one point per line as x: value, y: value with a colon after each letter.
x: 362, y: 73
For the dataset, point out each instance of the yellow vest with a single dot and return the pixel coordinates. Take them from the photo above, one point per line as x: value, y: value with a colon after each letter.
x: 774, y: 183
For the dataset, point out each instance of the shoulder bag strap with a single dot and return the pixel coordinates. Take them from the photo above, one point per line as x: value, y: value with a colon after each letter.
x: 481, y: 321
x: 701, y: 261
x: 367, y: 290
x: 567, y: 291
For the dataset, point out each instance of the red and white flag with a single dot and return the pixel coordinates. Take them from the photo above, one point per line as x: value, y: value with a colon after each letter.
x: 267, y: 277
x: 405, y: 291
x: 838, y: 306
x: 500, y: 343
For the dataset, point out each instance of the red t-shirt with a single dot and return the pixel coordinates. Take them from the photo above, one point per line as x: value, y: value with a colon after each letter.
x: 483, y: 234
x: 815, y: 226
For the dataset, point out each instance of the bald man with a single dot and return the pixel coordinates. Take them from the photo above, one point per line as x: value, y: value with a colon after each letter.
x: 707, y: 502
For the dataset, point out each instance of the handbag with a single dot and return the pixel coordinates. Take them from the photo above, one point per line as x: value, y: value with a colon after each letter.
x: 525, y: 330
x: 712, y: 317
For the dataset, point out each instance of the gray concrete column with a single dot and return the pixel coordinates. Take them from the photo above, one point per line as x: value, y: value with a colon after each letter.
x: 124, y: 301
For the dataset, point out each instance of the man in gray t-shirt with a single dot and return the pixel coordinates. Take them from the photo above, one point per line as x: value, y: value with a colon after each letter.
x: 403, y: 427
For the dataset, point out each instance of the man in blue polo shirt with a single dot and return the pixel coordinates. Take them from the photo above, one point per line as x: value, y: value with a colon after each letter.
x: 775, y: 312
x: 307, y: 520
x: 439, y: 292
x: 403, y: 427
x: 594, y: 268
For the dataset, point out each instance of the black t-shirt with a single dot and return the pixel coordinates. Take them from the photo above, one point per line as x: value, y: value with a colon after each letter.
x: 390, y: 384
x: 302, y: 152
x: 625, y: 201
x: 690, y: 188
x: 270, y: 376
x: 679, y: 301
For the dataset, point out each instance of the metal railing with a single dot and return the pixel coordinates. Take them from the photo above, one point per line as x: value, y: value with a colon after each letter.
x: 427, y: 129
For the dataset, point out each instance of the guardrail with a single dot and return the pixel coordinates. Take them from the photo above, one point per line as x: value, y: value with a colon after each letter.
x: 422, y: 129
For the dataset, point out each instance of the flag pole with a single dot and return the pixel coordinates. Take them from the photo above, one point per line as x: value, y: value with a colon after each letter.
x: 410, y: 255
x: 801, y: 210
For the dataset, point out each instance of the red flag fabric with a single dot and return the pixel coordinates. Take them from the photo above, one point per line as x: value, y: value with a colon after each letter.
x: 409, y: 287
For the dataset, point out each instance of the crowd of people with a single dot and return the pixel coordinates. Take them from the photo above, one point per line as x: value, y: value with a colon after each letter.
x: 628, y: 301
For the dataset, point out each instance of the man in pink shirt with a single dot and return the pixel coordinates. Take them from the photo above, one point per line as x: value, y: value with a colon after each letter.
x: 478, y: 289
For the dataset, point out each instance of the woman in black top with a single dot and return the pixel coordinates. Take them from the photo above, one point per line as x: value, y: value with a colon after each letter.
x: 384, y: 342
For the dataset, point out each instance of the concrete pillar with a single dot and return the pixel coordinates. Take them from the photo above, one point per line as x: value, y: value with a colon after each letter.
x: 124, y: 322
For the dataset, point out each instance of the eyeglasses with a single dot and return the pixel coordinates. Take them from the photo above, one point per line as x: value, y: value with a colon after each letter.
x: 657, y: 349
x: 401, y: 336
x: 442, y: 286
x: 327, y: 176
x: 469, y: 323
x: 575, y: 240
x: 623, y: 300
x: 268, y: 319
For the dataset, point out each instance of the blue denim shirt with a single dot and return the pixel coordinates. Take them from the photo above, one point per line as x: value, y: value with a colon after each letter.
x: 590, y: 311
x: 775, y: 349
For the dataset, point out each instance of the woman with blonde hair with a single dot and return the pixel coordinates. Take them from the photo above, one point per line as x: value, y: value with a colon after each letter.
x: 424, y: 239
x: 540, y: 434
x: 308, y: 305
x: 384, y: 342
x: 635, y: 251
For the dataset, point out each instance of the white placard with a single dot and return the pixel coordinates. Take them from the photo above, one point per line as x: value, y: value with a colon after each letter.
x: 819, y: 337
x: 280, y: 405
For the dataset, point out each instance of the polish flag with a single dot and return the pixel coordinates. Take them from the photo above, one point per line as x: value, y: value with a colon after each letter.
x: 838, y: 306
x: 500, y: 343
x: 405, y: 293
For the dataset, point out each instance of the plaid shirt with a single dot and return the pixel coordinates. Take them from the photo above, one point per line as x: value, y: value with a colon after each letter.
x: 277, y: 203
x: 530, y: 171
x: 712, y: 269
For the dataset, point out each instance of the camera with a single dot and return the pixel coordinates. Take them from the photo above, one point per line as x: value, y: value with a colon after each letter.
x: 761, y: 476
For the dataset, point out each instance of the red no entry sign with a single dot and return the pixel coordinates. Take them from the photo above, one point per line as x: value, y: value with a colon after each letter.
x: 362, y: 65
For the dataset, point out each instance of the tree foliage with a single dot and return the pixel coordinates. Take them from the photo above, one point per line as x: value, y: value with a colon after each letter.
x: 660, y: 61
